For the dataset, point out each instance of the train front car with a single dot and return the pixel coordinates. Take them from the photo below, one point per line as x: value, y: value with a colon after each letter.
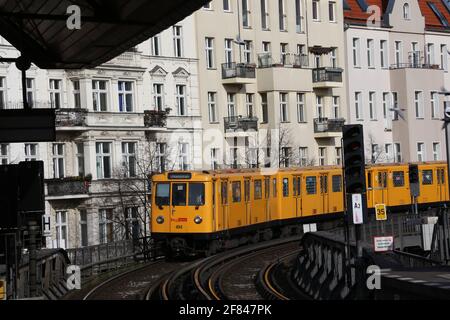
x: 182, y: 211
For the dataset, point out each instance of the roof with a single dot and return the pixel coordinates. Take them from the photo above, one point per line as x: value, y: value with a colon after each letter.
x: 39, y: 29
x: 355, y: 10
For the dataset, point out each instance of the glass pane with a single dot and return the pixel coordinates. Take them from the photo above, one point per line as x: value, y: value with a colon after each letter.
x: 427, y: 177
x: 196, y: 194
x: 399, y: 178
x: 179, y: 194
x: 336, y: 180
x: 311, y: 185
x: 236, y: 186
x: 162, y: 194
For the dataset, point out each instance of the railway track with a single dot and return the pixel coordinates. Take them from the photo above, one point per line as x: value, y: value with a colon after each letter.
x: 211, y: 278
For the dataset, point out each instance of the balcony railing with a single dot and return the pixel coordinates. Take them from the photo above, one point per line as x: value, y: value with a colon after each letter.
x: 70, y: 117
x: 155, y: 118
x: 414, y: 65
x: 239, y: 123
x: 238, y: 70
x: 323, y: 125
x: 265, y: 60
x: 327, y: 75
x: 67, y: 186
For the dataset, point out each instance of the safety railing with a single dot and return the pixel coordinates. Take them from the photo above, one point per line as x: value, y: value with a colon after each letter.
x: 327, y: 75
x: 238, y: 123
x: 238, y: 70
x: 322, y: 125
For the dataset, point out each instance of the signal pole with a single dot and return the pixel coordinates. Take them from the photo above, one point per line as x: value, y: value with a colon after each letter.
x: 444, y: 212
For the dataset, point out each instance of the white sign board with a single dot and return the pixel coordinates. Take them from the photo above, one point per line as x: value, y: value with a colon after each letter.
x: 383, y: 244
x: 357, y: 208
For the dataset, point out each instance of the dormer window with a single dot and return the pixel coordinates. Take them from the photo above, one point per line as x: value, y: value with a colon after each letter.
x: 406, y: 14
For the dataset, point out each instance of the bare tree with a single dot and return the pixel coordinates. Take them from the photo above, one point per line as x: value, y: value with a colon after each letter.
x: 374, y: 154
x: 285, y: 154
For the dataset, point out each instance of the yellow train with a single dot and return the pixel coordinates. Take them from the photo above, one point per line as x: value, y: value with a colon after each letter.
x: 206, y: 211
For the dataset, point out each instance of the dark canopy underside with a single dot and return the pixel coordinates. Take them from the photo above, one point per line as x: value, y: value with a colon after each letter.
x: 108, y: 28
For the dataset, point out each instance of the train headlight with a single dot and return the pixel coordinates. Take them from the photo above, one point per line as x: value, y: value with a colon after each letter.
x: 198, y: 219
x: 160, y: 220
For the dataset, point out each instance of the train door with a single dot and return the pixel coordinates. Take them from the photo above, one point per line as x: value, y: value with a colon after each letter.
x: 370, y: 186
x: 441, y: 185
x: 297, y: 195
x: 224, y: 202
x: 380, y: 195
x: 267, y: 198
x: 179, y: 202
x: 248, y: 203
x: 163, y: 207
x: 324, y: 193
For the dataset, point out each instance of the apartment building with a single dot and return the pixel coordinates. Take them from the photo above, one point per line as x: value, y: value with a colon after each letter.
x: 136, y: 114
x: 271, y: 82
x: 397, y: 59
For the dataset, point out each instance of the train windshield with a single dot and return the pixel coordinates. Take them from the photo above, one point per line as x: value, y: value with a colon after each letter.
x: 163, y: 194
x: 196, y: 194
x: 179, y: 194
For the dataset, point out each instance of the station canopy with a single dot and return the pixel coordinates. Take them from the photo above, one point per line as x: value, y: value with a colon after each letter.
x: 38, y: 28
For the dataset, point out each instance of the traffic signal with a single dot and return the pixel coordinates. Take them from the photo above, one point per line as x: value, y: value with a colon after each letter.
x: 2, y: 289
x: 354, y: 160
x: 413, y: 173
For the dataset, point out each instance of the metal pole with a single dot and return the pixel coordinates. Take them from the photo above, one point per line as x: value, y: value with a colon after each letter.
x: 444, y: 215
x: 33, y: 231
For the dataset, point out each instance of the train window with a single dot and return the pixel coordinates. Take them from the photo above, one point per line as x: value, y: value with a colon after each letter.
x: 274, y: 184
x: 311, y: 185
x: 441, y: 176
x: 324, y: 184
x: 369, y: 180
x: 285, y: 187
x: 398, y: 177
x: 382, y: 179
x: 247, y: 190
x: 236, y: 188
x: 297, y: 186
x: 162, y: 194
x: 224, y: 192
x: 179, y: 194
x: 337, y: 183
x: 267, y: 187
x: 196, y: 194
x: 258, y: 189
x: 427, y: 177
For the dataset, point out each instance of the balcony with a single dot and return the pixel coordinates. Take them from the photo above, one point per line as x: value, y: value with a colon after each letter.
x: 265, y: 60
x: 67, y: 119
x: 155, y: 118
x: 239, y: 126
x: 416, y: 60
x: 327, y: 77
x: 238, y: 73
x: 67, y: 188
x: 328, y: 128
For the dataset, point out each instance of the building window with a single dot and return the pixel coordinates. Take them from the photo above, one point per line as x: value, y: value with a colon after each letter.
x: 385, y: 104
x: 132, y: 225
x: 266, y: 47
x: 264, y: 107
x: 286, y: 156
x: 178, y: 41
x: 444, y: 56
x: 80, y: 158
x: 249, y: 97
x: 105, y: 226
x: 394, y: 104
x: 333, y: 58
x: 234, y: 157
x: 358, y: 106
x: 76, y: 94
x: 61, y: 229
x: 231, y: 105
x: 375, y: 153
x: 209, y: 49
x: 372, y: 106
x: 284, y: 50
x: 31, y: 151
x: 30, y: 91
x: 319, y: 107
x: 336, y: 107
x: 183, y: 156
x: 214, y: 158
x: 83, y: 228
x: 284, y: 113
x: 398, y: 53
x: 398, y: 153
x: 125, y: 96
x: 4, y: 158
x: 161, y: 156
x: 303, y: 156
x: 247, y: 51
x: 264, y: 15
x: 316, y: 10
x: 226, y: 6
x: 322, y: 156
x: 420, y: 151
x: 434, y: 105
x: 212, y: 107
x: 129, y: 158
x: 406, y: 13
x: 430, y: 53
x: 356, y: 53
x: 155, y: 43
x: 370, y: 53
x: 158, y: 96
x: 2, y: 93
x: 388, y: 151
x: 55, y: 94
x: 436, y: 151
x: 181, y: 100
x: 228, y: 51
x: 282, y: 15
x: 99, y: 95
x: 58, y: 160
x: 298, y: 16
x: 332, y: 11
x: 103, y: 152
x: 245, y: 14
x: 418, y: 103
x: 207, y: 6
x: 383, y: 54
x: 301, y: 107
x: 338, y: 156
